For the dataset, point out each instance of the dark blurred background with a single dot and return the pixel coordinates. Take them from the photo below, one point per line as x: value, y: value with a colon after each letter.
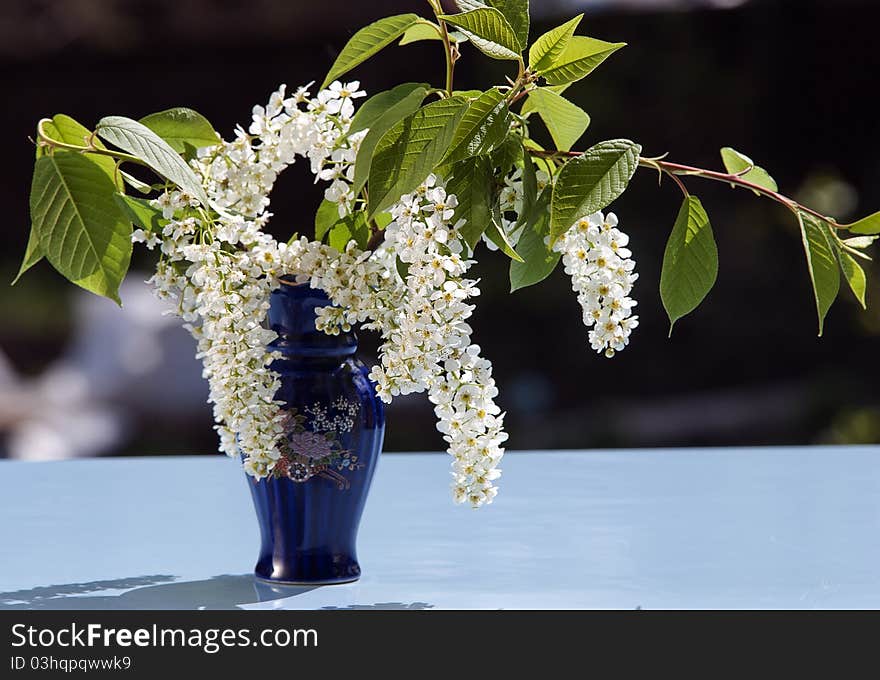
x: 791, y: 83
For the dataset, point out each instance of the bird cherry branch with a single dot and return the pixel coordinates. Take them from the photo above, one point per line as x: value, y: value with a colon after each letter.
x: 677, y: 170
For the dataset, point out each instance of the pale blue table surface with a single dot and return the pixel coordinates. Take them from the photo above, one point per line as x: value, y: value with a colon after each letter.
x: 686, y: 528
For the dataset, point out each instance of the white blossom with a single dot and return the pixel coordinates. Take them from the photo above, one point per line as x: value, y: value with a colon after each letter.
x: 595, y: 255
x: 219, y: 267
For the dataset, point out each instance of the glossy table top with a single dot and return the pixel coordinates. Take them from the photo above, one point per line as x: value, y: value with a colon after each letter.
x: 687, y: 528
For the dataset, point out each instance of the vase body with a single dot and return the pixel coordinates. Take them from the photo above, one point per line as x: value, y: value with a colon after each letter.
x: 310, y: 509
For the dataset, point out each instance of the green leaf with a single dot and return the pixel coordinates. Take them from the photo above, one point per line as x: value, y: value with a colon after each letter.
x: 690, y: 262
x: 515, y: 11
x: 473, y: 182
x: 82, y: 230
x: 185, y: 130
x: 821, y: 264
x: 378, y: 105
x: 507, y: 154
x: 867, y: 225
x: 579, y: 58
x: 737, y: 163
x: 141, y: 212
x: 402, y: 268
x: 140, y: 141
x: 539, y: 260
x: 548, y: 48
x: 530, y: 189
x: 565, y: 121
x: 350, y: 228
x: 489, y: 32
x: 135, y: 183
x: 378, y: 127
x: 326, y: 217
x: 483, y: 126
x: 65, y: 129
x: 496, y: 234
x: 409, y: 151
x: 590, y: 182
x: 367, y: 42
x: 423, y: 30
x: 854, y: 275
x: 33, y: 253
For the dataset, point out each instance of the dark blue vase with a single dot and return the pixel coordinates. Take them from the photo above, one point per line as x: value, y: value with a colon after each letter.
x: 310, y: 508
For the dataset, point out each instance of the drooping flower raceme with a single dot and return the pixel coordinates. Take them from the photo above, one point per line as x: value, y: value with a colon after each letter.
x: 601, y: 267
x: 430, y: 348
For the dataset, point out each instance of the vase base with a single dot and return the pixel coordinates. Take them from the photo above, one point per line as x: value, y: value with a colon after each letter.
x: 321, y: 582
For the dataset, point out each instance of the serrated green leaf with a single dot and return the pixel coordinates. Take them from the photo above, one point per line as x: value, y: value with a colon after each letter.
x: 392, y: 115
x: 350, y: 228
x: 515, y: 11
x: 539, y: 260
x: 367, y: 42
x: 483, y: 126
x: 867, y: 225
x: 32, y: 255
x: 185, y: 130
x: 489, y: 32
x: 690, y: 262
x: 472, y: 181
x: 565, y: 121
x: 423, y: 30
x: 141, y: 212
x: 591, y: 181
x: 496, y: 234
x: 467, y: 94
x: 65, y: 129
x: 507, y: 154
x: 326, y: 217
x: 428, y: 30
x: 140, y: 141
x: 821, y: 264
x: 580, y: 57
x: 378, y: 105
x: 82, y: 231
x: 854, y: 275
x: 736, y: 163
x: 530, y: 190
x: 409, y: 151
x: 549, y: 47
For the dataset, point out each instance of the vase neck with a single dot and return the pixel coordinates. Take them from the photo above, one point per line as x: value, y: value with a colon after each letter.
x: 292, y: 317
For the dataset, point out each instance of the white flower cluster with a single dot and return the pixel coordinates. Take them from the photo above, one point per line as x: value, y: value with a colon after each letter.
x: 595, y: 255
x: 221, y: 270
x: 219, y: 267
x: 240, y: 174
x: 428, y: 347
x: 511, y: 204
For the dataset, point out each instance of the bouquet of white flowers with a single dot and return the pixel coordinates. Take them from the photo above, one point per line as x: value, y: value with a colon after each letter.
x: 420, y: 179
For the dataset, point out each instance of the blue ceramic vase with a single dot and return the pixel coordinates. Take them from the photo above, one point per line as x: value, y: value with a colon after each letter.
x: 310, y: 509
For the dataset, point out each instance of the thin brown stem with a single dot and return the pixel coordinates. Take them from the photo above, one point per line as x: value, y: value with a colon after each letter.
x: 678, y: 170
